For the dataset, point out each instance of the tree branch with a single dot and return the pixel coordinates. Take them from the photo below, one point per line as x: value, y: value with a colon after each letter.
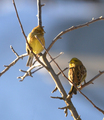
x: 90, y: 81
x: 92, y: 103
x: 13, y: 62
x: 39, y: 12
x: 27, y: 73
x: 19, y: 19
x: 73, y: 28
x: 63, y: 70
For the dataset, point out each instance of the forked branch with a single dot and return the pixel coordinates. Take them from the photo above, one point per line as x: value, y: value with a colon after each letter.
x: 73, y: 28
x: 69, y: 97
x: 13, y: 62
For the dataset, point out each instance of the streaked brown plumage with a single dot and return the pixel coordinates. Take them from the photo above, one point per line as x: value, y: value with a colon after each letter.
x: 77, y: 74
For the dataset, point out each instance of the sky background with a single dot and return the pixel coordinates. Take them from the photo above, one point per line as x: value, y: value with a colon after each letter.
x: 30, y: 99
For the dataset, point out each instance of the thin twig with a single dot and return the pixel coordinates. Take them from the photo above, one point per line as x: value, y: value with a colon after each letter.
x: 72, y: 28
x: 90, y: 81
x: 27, y: 73
x: 63, y: 70
x: 39, y: 12
x: 39, y: 15
x: 61, y: 53
x: 12, y: 63
x: 92, y: 103
x: 21, y: 24
x: 57, y: 98
x: 14, y: 51
x: 19, y: 19
x: 66, y: 111
x: 55, y: 89
x: 63, y: 107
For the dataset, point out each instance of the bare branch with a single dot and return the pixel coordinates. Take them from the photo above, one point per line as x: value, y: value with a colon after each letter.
x: 72, y: 28
x: 90, y: 82
x: 27, y: 73
x: 55, y: 89
x: 12, y: 63
x: 63, y: 70
x: 20, y: 24
x: 19, y: 19
x: 66, y: 110
x: 57, y: 98
x: 14, y: 51
x: 39, y: 12
x: 92, y: 103
x: 61, y: 53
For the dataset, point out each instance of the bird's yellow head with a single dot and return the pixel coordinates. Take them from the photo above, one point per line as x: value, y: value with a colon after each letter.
x: 74, y: 62
x: 38, y: 30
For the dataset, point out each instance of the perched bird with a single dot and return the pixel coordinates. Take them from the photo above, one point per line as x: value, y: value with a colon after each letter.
x: 77, y: 74
x: 34, y: 43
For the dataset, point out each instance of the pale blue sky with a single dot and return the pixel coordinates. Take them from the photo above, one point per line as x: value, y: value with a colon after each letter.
x: 30, y: 99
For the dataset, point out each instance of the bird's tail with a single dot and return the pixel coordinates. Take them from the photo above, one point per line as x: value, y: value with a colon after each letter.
x: 72, y: 90
x: 30, y: 60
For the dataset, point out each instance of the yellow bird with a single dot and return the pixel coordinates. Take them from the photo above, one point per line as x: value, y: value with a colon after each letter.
x: 34, y: 43
x: 77, y: 74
